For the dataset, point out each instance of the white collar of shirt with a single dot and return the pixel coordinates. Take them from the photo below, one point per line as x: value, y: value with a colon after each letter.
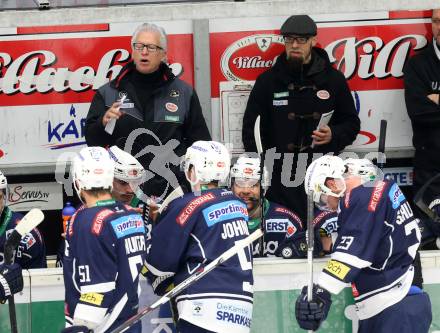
x: 436, y: 49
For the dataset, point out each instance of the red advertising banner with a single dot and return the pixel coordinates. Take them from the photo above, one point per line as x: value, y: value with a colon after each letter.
x: 60, y: 70
x: 371, y: 56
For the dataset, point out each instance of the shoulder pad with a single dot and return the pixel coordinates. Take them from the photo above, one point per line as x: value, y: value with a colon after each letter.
x: 286, y: 211
x: 322, y: 217
x: 99, y: 219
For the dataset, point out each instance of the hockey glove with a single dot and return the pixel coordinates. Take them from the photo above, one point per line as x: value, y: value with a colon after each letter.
x: 160, y: 284
x: 11, y: 280
x: 296, y: 246
x: 76, y: 329
x: 435, y: 207
x: 310, y: 315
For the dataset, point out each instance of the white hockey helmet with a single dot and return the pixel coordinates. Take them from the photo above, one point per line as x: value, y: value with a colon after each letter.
x: 210, y: 159
x: 248, y: 168
x: 361, y: 167
x: 93, y: 168
x: 319, y: 171
x: 127, y: 168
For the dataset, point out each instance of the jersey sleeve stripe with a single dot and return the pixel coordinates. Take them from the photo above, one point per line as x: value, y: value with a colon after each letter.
x: 350, y: 260
x: 89, y: 315
x: 98, y: 288
x: 157, y: 272
x: 110, y: 318
x: 330, y: 283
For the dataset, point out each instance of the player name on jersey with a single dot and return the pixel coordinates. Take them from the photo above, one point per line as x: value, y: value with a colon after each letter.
x: 234, y: 229
x: 134, y: 244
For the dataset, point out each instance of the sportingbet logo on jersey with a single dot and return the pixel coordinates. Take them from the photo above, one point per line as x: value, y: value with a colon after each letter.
x: 396, y: 196
x: 224, y: 211
x: 127, y: 225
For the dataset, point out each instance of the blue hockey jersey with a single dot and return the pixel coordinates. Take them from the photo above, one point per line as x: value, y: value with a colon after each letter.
x: 105, y: 249
x: 31, y: 252
x: 326, y: 221
x: 377, y: 241
x: 280, y: 221
x: 194, y: 230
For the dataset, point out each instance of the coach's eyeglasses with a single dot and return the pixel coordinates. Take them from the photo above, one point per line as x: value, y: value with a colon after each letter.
x: 298, y: 39
x: 150, y: 47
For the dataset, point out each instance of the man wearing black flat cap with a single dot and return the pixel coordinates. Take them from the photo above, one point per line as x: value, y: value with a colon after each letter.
x: 290, y: 99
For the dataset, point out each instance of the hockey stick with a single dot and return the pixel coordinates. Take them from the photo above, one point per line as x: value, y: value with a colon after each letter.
x: 27, y: 223
x: 176, y: 193
x: 310, y: 244
x: 258, y: 143
x: 381, y: 149
x: 239, y: 245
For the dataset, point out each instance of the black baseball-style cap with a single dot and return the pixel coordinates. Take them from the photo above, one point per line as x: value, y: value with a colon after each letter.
x: 301, y: 25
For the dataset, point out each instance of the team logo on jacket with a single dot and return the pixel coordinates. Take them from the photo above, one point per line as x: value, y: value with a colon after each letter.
x: 250, y: 56
x: 323, y: 94
x: 171, y: 107
x: 197, y: 309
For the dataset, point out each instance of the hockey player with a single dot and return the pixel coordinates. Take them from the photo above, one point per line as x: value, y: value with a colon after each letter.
x: 105, y: 248
x: 194, y: 230
x: 31, y: 252
x: 245, y: 183
x: 326, y: 220
x: 128, y: 176
x: 377, y: 241
x: 11, y: 280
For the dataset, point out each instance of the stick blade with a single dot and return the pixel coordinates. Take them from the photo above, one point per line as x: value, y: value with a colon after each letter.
x: 176, y: 193
x: 32, y: 219
x: 257, y: 135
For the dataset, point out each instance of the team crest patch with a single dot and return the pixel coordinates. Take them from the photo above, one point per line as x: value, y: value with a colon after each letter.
x: 323, y: 94
x: 29, y: 240
x: 171, y: 107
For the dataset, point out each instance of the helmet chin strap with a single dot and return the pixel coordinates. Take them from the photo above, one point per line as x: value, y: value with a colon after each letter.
x: 193, y: 182
x: 78, y: 192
